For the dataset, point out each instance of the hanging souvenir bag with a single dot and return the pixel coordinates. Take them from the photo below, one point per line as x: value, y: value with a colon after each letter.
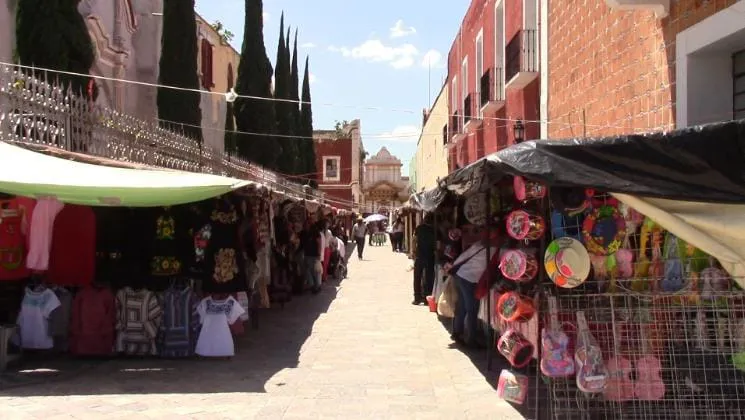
x: 518, y: 265
x: 525, y: 226
x: 592, y: 374
x: 556, y: 361
x: 526, y: 190
x: 714, y: 281
x: 619, y: 386
x: 512, y: 386
x: 672, y: 280
x: 643, y: 261
x: 517, y: 349
x: 514, y: 307
x: 563, y: 226
x: 657, y: 265
x: 649, y: 385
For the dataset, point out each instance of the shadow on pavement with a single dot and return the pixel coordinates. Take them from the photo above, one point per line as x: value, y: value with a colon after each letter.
x: 534, y: 404
x: 260, y: 355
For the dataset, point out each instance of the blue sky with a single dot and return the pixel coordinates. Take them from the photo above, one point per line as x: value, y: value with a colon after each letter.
x: 362, y: 54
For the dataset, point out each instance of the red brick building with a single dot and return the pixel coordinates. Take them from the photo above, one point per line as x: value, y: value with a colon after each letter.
x: 493, y: 78
x: 338, y: 155
x: 625, y: 66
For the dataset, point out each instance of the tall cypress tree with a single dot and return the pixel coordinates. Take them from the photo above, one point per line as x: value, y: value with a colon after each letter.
x: 283, y: 109
x: 255, y: 79
x: 302, y: 160
x: 306, y: 124
x: 178, y: 67
x: 53, y: 35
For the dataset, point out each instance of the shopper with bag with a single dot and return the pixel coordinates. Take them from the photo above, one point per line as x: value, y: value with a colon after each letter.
x: 467, y: 272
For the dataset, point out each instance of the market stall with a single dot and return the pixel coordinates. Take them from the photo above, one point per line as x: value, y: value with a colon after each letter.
x: 102, y: 261
x: 621, y: 272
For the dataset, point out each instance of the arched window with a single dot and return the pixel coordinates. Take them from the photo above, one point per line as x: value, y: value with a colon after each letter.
x: 230, y: 75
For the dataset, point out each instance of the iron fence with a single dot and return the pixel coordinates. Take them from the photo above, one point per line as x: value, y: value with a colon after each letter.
x: 35, y: 111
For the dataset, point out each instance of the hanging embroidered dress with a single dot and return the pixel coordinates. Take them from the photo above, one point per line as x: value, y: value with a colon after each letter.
x: 215, y: 339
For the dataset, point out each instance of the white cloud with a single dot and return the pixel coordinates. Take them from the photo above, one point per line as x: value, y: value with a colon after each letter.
x: 266, y: 16
x: 308, y: 45
x: 312, y: 79
x: 432, y: 58
x: 401, y: 134
x: 373, y: 50
x: 400, y: 30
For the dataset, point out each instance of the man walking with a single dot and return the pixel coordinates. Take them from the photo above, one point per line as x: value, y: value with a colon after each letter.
x: 358, y: 233
x: 424, y: 261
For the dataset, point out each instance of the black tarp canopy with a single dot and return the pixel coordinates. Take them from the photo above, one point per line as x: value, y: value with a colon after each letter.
x: 702, y: 164
x: 690, y: 181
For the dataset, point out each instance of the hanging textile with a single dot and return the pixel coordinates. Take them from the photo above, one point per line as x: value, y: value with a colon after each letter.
x: 72, y: 260
x: 40, y: 234
x: 33, y: 321
x: 215, y: 339
x: 180, y: 325
x: 138, y: 319
x: 15, y: 217
x: 224, y: 259
x: 92, y: 326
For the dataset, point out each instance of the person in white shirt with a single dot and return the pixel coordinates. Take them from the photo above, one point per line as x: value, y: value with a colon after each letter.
x: 466, y: 271
x: 358, y: 233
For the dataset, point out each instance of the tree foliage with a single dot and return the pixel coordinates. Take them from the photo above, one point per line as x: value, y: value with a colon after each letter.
x: 284, y: 113
x: 306, y: 125
x: 255, y: 115
x: 52, y: 35
x: 179, y: 109
x: 224, y: 32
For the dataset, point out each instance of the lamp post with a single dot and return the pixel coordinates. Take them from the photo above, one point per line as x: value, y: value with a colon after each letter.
x: 519, y: 131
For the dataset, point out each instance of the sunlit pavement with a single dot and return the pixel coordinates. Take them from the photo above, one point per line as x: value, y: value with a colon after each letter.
x: 359, y: 350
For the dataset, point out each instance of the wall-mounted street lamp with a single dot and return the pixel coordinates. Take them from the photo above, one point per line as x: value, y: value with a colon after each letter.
x: 519, y: 131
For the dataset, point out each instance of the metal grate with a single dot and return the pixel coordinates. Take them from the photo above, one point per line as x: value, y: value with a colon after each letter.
x: 697, y: 334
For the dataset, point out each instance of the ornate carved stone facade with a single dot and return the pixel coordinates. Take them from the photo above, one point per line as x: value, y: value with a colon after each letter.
x: 384, y: 188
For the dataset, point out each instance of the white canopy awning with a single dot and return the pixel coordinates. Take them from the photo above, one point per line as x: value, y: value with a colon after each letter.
x: 31, y: 174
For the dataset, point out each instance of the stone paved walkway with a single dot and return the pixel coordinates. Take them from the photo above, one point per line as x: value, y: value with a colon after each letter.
x: 359, y: 350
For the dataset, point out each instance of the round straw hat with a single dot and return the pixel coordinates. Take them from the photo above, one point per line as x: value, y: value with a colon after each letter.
x: 567, y: 262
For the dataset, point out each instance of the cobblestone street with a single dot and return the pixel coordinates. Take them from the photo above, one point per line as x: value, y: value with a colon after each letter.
x: 358, y: 350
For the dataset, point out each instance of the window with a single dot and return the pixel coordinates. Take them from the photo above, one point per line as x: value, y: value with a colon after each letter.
x: 464, y: 85
x: 445, y: 134
x: 499, y: 45
x: 331, y: 170
x: 206, y: 55
x: 454, y: 105
x: 738, y: 76
x: 231, y: 80
x: 479, y: 70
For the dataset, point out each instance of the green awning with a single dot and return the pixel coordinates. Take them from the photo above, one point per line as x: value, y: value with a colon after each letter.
x: 31, y: 174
